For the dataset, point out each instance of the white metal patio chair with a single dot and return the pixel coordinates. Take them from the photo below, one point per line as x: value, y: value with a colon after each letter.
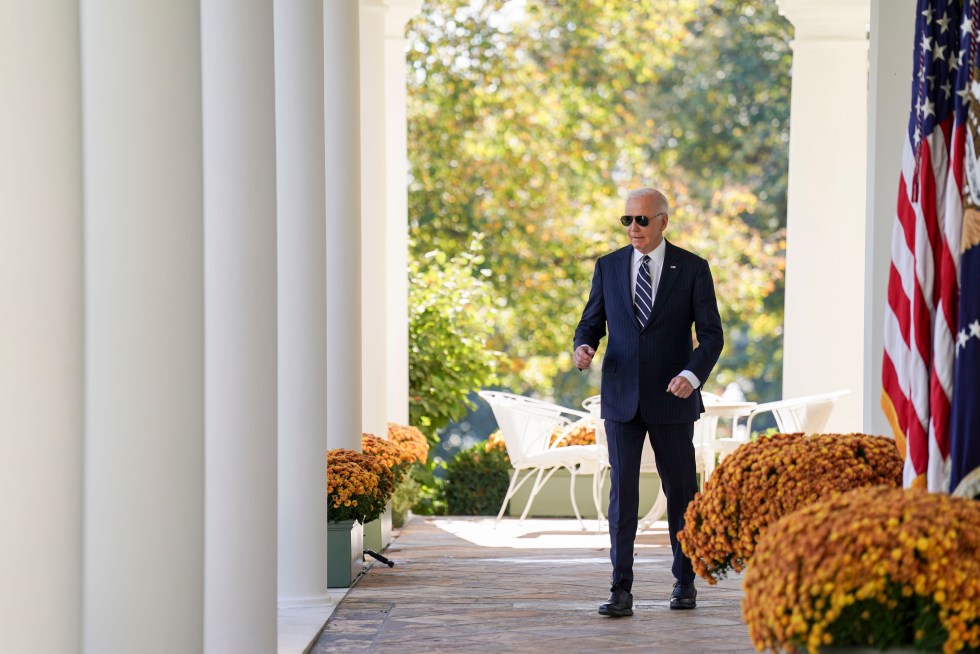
x: 704, y: 437
x: 527, y: 425
x: 807, y: 414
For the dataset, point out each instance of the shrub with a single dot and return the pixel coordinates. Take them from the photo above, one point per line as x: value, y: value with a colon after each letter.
x: 770, y: 477
x: 878, y: 567
x: 404, y: 498
x: 451, y: 318
x: 476, y: 481
x: 431, y: 497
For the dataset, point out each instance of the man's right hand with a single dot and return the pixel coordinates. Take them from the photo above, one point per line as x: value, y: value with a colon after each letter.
x: 582, y: 356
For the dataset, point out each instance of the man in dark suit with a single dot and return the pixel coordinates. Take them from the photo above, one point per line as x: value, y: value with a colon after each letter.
x: 648, y: 295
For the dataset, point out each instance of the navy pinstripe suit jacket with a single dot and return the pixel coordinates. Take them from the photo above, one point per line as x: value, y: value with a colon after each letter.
x: 639, y: 363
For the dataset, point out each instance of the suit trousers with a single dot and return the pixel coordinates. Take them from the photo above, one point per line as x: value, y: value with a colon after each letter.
x: 673, y: 449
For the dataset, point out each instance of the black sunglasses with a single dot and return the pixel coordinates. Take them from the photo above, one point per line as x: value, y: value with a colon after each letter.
x: 642, y: 221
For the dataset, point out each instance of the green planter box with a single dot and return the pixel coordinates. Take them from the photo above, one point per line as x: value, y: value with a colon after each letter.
x: 345, y: 553
x: 552, y: 501
x: 377, y: 533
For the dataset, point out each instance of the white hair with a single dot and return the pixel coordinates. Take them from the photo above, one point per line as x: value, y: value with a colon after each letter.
x: 658, y: 196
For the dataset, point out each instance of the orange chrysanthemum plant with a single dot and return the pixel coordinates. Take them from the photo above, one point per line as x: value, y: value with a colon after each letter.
x: 581, y: 433
x: 358, y: 486
x: 389, y: 453
x: 495, y: 441
x: 770, y: 477
x: 411, y: 440
x: 875, y: 567
x: 413, y: 452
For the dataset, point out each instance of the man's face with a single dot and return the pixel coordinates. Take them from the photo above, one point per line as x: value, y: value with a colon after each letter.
x: 645, y: 239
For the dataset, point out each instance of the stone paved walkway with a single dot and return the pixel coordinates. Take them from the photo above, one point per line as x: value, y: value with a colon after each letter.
x: 459, y: 585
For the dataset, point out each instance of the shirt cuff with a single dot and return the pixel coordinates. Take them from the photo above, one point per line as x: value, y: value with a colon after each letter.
x: 689, y: 376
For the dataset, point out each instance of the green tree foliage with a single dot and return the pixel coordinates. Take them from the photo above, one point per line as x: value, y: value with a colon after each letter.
x: 725, y: 117
x: 528, y: 121
x: 725, y: 121
x: 451, y: 318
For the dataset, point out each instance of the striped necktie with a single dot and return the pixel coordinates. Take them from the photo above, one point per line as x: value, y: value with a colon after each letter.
x: 643, y: 302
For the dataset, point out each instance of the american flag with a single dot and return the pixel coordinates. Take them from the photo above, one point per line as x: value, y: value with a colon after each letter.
x: 965, y: 426
x: 920, y: 318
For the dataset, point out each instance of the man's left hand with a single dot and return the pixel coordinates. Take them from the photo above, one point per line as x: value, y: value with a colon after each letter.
x: 680, y: 387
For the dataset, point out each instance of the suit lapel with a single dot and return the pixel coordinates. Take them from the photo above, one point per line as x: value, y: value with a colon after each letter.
x: 623, y: 259
x: 668, y: 275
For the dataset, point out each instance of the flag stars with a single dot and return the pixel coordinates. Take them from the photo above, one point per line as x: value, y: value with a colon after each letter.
x: 928, y: 14
x: 967, y: 26
x: 956, y: 62
x: 928, y: 109
x: 938, y: 52
x: 947, y: 89
x: 963, y: 338
x: 926, y: 43
x: 943, y: 23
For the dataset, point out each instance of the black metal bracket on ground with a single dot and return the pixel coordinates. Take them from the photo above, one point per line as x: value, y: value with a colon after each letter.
x: 375, y: 555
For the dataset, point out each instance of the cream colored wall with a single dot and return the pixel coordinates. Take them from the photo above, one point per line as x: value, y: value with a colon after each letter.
x: 823, y: 347
x: 302, y: 307
x: 375, y: 258
x: 149, y: 451
x: 41, y: 345
x: 889, y: 98
x: 384, y: 203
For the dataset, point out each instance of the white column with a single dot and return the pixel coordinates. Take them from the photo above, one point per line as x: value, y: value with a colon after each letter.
x: 889, y: 98
x: 40, y: 328
x: 342, y: 192
x: 144, y: 328
x: 302, y: 302
x: 823, y: 346
x: 375, y: 255
x: 396, y: 196
x: 240, y: 326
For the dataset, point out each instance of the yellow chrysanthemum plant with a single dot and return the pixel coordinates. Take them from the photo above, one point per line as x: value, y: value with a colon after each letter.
x: 358, y: 486
x: 769, y: 477
x: 875, y: 567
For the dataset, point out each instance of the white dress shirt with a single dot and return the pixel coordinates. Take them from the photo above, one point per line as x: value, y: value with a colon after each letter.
x: 656, y: 268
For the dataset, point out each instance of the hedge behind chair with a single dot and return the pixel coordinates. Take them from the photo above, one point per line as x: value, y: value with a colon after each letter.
x: 477, y: 480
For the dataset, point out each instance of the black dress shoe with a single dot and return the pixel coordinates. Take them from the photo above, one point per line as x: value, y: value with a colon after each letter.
x: 620, y: 604
x: 684, y: 596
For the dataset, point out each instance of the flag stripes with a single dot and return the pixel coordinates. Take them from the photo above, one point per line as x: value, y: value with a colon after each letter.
x: 920, y: 320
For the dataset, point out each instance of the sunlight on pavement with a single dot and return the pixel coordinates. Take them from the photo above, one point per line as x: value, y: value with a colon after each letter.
x: 539, y: 533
